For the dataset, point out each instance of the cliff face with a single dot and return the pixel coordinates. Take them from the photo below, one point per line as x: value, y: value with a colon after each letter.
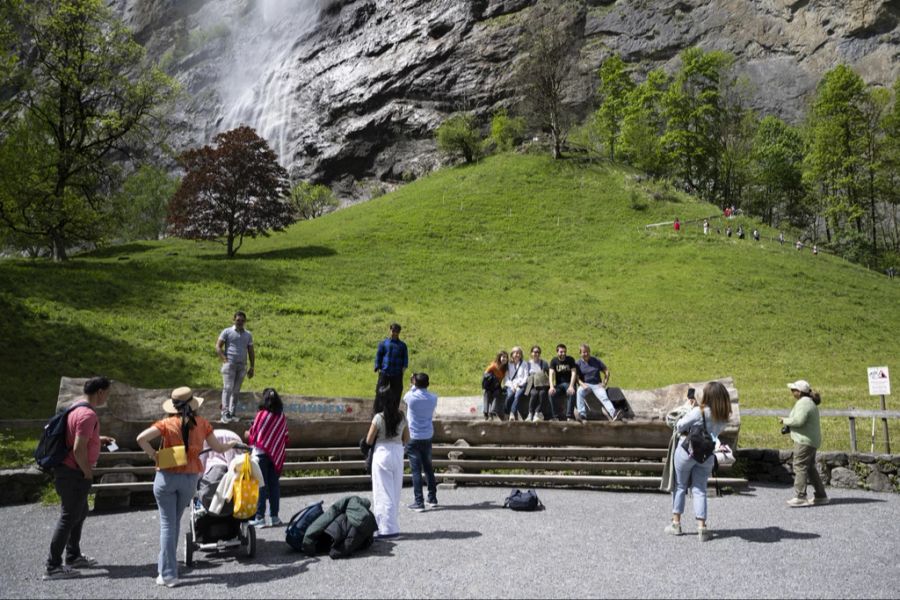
x: 347, y: 90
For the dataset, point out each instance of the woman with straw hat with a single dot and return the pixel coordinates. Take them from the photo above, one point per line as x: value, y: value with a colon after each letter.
x: 183, y: 432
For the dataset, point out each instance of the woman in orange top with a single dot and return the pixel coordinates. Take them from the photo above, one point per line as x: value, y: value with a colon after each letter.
x: 494, y: 404
x: 175, y: 486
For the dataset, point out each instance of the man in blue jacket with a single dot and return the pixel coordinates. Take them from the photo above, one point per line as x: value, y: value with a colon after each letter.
x: 391, y: 361
x: 420, y: 406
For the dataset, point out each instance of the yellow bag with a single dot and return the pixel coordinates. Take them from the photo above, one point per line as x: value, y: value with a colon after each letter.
x: 246, y: 491
x: 173, y: 456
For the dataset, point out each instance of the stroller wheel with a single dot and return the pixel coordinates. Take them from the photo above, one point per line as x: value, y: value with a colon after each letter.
x: 189, y: 549
x: 250, y: 542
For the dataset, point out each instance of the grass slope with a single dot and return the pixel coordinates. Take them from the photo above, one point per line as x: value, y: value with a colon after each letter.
x: 515, y: 250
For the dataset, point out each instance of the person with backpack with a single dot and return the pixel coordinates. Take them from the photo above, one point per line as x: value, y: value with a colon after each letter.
x: 420, y: 406
x: 492, y: 386
x: 73, y: 478
x: 694, y: 461
x: 183, y: 431
x: 388, y: 434
x: 269, y: 435
x: 806, y: 433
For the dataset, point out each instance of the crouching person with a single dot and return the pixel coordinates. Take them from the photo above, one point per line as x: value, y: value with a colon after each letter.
x: 420, y: 406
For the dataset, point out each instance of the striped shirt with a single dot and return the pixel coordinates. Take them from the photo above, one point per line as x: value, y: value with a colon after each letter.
x: 269, y: 434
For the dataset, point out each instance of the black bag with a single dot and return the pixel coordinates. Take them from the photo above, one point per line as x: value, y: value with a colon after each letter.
x: 368, y: 452
x: 699, y: 443
x: 300, y: 522
x: 489, y: 382
x: 519, y: 500
x: 52, y: 448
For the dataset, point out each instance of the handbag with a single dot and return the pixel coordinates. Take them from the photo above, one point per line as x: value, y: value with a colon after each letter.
x: 246, y: 491
x: 168, y: 457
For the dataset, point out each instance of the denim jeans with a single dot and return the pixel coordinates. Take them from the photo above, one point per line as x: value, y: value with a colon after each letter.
x: 493, y: 401
x: 232, y: 378
x: 271, y: 491
x: 73, y: 490
x: 513, y: 402
x: 173, y: 492
x: 688, y: 470
x: 600, y: 393
x: 419, y: 452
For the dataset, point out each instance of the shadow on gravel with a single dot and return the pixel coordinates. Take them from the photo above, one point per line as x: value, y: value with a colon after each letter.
x: 764, y: 535
x: 478, y: 506
x: 852, y: 501
x: 147, y: 571
x: 442, y: 535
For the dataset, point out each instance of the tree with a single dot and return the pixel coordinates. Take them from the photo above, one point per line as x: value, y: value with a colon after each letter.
x: 550, y: 43
x: 506, y: 131
x: 230, y: 191
x: 615, y: 86
x: 83, y: 96
x: 310, y: 201
x: 459, y: 135
x: 140, y: 207
x: 644, y: 124
x: 776, y: 172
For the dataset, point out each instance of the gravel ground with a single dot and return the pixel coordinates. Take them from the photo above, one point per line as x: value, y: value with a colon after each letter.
x: 585, y: 544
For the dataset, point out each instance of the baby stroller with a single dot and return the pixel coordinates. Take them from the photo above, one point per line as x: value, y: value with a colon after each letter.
x: 211, y: 532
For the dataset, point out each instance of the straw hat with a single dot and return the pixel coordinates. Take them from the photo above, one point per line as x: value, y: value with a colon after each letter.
x: 180, y: 395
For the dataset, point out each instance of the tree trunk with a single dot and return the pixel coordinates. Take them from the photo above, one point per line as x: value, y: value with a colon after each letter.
x: 59, y: 249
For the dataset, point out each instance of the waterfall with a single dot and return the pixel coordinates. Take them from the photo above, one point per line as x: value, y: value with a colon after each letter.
x: 258, y: 86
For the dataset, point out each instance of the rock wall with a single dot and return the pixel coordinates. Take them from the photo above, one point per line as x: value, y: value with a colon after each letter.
x: 347, y: 90
x: 875, y: 472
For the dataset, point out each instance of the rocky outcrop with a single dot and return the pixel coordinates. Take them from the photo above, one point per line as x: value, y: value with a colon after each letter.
x: 346, y: 90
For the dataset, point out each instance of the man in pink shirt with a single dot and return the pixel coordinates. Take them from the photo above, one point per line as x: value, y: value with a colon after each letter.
x: 73, y: 479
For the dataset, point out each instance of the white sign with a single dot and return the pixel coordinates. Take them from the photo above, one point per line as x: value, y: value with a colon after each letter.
x: 879, y: 381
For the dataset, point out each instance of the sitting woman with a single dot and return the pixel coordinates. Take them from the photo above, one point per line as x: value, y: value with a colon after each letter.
x: 712, y: 412
x: 514, y: 383
x: 494, y: 405
x: 537, y: 386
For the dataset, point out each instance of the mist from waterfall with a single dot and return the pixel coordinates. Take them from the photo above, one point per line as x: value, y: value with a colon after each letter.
x: 258, y: 87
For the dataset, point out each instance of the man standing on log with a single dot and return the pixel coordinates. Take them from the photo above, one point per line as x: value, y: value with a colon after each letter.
x: 391, y: 361
x: 234, y: 346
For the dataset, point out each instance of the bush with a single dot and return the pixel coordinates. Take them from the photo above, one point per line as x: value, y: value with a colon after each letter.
x: 310, y: 201
x: 506, y: 131
x: 459, y: 136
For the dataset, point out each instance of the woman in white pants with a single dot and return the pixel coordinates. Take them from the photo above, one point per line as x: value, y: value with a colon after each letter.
x: 389, y: 434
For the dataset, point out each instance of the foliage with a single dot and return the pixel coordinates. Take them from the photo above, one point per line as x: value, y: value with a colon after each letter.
x: 310, y: 201
x: 550, y: 42
x: 84, y: 95
x: 233, y: 190
x: 140, y: 206
x: 615, y: 87
x: 506, y: 131
x: 458, y: 135
x: 776, y: 172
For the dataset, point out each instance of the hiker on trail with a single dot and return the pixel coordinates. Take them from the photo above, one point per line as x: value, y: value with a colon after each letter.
x: 593, y: 376
x: 713, y: 410
x: 705, y: 226
x: 73, y: 479
x: 493, y: 398
x: 806, y: 433
x: 740, y: 232
x: 728, y: 231
x: 781, y: 238
x: 269, y: 435
x: 391, y: 360
x: 756, y: 234
x: 388, y: 434
x: 677, y: 225
x: 799, y: 245
x: 815, y: 250
x: 514, y: 383
x: 537, y: 386
x: 234, y: 346
x: 420, y: 407
x: 562, y: 384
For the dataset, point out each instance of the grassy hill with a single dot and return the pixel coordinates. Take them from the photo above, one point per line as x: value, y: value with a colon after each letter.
x: 515, y: 250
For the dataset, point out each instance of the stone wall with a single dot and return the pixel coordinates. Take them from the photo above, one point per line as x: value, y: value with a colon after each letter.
x: 875, y: 472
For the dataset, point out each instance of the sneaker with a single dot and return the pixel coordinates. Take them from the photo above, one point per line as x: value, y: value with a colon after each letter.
x: 224, y: 418
x: 431, y: 503
x: 233, y: 418
x: 704, y: 534
x: 60, y: 572
x: 258, y: 522
x: 580, y: 418
x: 618, y: 415
x: 819, y: 501
x: 82, y: 562
x: 415, y: 506
x: 169, y: 583
x: 673, y: 528
x: 276, y: 522
x: 795, y: 502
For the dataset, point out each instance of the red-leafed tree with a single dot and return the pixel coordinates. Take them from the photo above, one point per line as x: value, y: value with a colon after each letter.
x: 232, y: 190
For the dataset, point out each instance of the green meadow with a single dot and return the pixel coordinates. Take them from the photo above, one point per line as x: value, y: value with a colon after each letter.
x: 516, y: 250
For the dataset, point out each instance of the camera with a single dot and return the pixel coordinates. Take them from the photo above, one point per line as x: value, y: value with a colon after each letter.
x: 785, y: 429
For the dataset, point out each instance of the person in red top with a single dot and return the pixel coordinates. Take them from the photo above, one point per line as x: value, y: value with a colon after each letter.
x: 677, y: 225
x: 268, y: 435
x: 494, y: 404
x: 174, y: 487
x: 73, y: 479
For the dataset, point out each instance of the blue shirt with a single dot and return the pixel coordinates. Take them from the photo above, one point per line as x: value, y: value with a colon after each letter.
x: 420, y: 405
x: 590, y: 370
x: 391, y: 358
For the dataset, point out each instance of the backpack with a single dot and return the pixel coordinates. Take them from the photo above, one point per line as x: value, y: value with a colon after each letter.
x: 300, y: 522
x: 489, y: 382
x: 519, y: 500
x: 52, y: 448
x: 699, y: 443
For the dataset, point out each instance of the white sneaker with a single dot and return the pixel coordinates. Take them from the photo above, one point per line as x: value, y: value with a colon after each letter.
x: 169, y: 583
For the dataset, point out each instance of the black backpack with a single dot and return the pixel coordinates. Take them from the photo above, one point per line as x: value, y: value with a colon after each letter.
x: 519, y: 500
x: 300, y: 522
x: 699, y: 443
x: 489, y: 382
x: 52, y: 448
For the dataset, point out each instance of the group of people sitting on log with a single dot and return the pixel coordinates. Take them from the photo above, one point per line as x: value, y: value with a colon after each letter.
x: 516, y: 389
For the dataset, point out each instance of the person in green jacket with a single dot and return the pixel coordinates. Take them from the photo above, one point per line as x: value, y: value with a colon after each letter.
x: 807, y: 435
